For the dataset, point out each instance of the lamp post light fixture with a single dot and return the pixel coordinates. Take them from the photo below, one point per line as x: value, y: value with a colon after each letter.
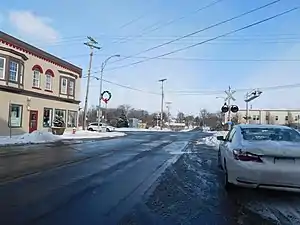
x: 101, y: 83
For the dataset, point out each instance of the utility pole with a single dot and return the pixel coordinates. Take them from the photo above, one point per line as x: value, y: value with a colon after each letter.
x: 169, y: 114
x: 92, y: 43
x: 229, y: 97
x: 162, y: 102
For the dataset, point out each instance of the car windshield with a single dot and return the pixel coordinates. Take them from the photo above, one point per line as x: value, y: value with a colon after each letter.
x: 272, y: 134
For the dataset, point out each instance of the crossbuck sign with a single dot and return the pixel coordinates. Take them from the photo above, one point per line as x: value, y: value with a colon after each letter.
x: 229, y: 95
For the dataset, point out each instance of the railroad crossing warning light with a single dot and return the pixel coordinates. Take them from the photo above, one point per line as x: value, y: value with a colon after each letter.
x: 225, y: 108
x: 234, y: 108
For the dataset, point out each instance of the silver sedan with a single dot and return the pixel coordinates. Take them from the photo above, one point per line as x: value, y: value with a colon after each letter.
x: 261, y: 156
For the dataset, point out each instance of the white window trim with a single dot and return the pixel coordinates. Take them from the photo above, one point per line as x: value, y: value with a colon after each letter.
x: 2, y: 76
x: 21, y: 73
x: 73, y: 87
x: 17, y: 72
x: 49, y: 89
x: 65, y: 92
x: 38, y: 80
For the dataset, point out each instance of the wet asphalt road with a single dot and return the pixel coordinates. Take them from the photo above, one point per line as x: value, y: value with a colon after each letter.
x: 143, y: 178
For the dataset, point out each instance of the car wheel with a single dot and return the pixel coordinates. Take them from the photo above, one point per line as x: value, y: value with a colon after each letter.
x: 219, y: 159
x: 107, y: 130
x: 90, y: 129
x: 228, y: 186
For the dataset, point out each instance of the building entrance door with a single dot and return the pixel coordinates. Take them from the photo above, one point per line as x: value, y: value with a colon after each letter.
x: 33, y: 120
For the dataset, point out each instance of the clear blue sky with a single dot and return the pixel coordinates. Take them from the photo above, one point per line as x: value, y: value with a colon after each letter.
x: 60, y: 27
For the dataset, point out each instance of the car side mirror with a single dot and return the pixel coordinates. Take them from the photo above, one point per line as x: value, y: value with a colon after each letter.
x: 220, y: 138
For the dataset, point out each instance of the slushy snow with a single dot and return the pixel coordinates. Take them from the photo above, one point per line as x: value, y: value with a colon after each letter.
x: 37, y: 137
x: 212, y: 140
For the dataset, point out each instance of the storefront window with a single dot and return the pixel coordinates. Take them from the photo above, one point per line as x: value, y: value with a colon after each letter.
x: 72, y: 118
x: 47, y: 122
x: 61, y: 113
x: 15, y: 115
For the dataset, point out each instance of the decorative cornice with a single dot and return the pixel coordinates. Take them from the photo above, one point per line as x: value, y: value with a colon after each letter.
x: 19, y: 45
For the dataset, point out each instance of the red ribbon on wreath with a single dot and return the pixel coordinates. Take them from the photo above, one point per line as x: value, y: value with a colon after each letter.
x: 106, y: 99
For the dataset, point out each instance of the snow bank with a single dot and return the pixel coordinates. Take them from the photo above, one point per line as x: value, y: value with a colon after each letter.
x: 212, y: 140
x: 32, y: 138
x: 128, y: 129
x: 84, y: 134
x: 37, y: 137
x: 187, y: 130
x: 124, y: 129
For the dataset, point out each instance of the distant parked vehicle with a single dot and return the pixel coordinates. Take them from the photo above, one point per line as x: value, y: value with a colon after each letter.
x: 261, y: 156
x: 94, y: 127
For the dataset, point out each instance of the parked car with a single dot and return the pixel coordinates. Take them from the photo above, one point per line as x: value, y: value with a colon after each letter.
x: 261, y: 156
x: 94, y: 127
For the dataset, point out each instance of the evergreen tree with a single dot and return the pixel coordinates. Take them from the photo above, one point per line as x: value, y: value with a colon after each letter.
x: 122, y: 121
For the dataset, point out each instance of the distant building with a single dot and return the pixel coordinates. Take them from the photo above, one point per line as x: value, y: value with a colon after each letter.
x: 133, y: 122
x: 270, y: 116
x: 176, y: 126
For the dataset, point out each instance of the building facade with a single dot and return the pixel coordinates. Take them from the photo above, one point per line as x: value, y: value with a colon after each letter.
x: 270, y: 116
x: 34, y: 87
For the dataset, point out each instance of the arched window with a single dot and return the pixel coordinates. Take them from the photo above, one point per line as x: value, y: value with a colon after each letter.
x: 36, y: 80
x: 48, y: 81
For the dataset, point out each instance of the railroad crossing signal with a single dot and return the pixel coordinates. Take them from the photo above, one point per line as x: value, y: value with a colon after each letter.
x: 230, y: 95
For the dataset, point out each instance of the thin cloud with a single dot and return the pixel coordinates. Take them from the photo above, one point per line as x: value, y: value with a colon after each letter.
x: 33, y: 26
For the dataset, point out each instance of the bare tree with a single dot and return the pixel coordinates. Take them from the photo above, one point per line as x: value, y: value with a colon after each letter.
x: 180, y: 117
x: 290, y: 120
x: 189, y: 120
x: 235, y: 119
x: 204, y: 114
x: 125, y: 108
x: 268, y: 117
x: 272, y: 119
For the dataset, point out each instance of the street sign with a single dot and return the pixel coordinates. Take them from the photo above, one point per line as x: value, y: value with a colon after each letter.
x: 252, y: 95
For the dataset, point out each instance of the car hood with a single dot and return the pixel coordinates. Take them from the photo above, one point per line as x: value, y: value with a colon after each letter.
x: 273, y: 148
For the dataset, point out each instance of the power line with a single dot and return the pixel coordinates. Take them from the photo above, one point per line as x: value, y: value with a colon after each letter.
x: 294, y: 40
x: 202, y: 30
x: 208, y: 40
x: 159, y: 37
x: 197, y: 59
x: 214, y: 92
x: 153, y: 27
x: 130, y: 88
x: 206, y: 92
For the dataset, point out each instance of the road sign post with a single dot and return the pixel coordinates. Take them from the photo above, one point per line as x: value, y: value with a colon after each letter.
x: 228, y: 99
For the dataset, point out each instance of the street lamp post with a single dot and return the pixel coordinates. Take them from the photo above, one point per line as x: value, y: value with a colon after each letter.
x: 100, y: 94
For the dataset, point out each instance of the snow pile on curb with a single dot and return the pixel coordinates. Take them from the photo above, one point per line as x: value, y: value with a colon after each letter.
x: 212, y: 140
x: 128, y: 129
x: 32, y: 138
x: 84, y: 134
x: 38, y: 137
